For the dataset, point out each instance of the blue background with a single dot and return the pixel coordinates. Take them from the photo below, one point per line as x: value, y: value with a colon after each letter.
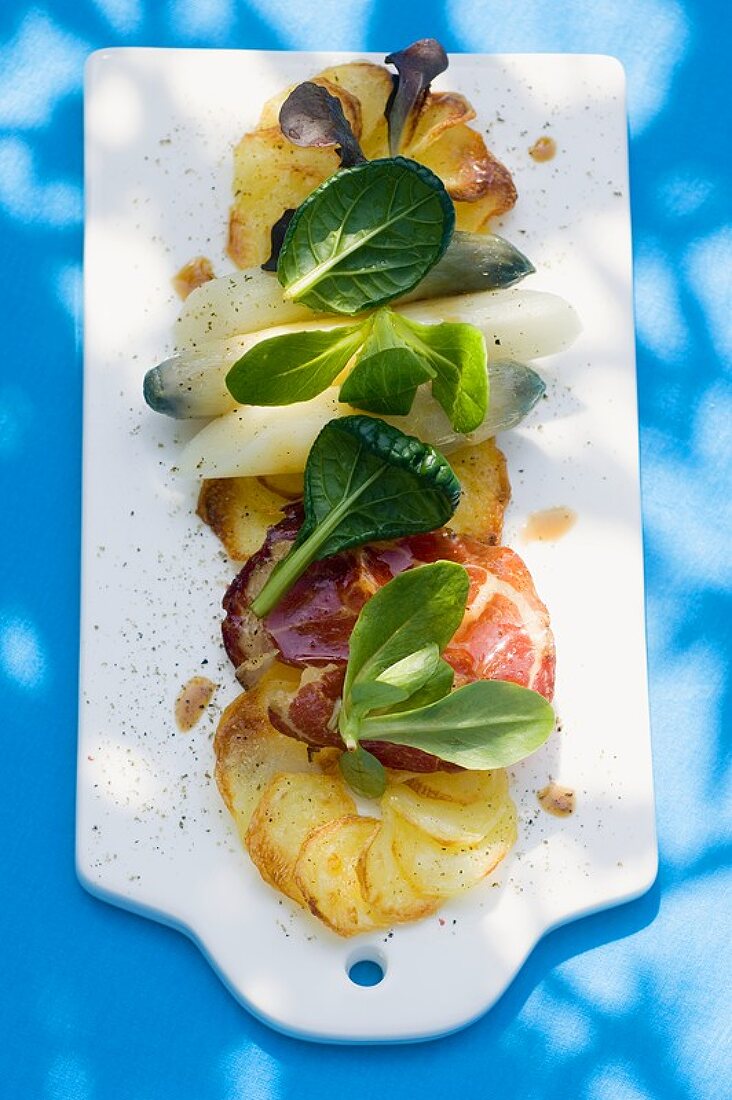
x: 627, y: 1005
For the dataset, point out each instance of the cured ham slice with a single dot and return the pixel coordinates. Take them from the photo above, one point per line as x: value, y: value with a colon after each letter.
x: 505, y: 634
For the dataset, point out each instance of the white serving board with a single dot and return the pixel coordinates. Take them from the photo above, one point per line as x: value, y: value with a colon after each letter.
x: 152, y: 833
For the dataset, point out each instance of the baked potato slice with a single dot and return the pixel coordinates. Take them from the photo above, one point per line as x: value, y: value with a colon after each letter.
x: 463, y: 788
x: 440, y: 111
x: 444, y: 869
x: 290, y: 808
x: 270, y: 176
x: 326, y: 874
x: 469, y: 171
x: 249, y: 752
x: 485, y: 491
x: 454, y: 822
x: 239, y: 510
x: 391, y: 895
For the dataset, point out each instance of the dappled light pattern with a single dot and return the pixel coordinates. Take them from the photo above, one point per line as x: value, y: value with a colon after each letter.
x: 626, y: 1005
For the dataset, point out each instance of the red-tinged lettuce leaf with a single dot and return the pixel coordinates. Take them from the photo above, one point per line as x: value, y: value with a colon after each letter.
x: 417, y: 66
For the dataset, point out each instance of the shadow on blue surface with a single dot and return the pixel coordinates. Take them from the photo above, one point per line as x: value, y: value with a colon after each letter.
x: 625, y: 1005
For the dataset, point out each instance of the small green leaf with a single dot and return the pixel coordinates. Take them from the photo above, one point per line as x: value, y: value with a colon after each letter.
x: 365, y: 236
x: 364, y: 481
x: 373, y: 695
x: 439, y: 684
x: 412, y: 673
x: 486, y: 724
x: 422, y: 605
x: 293, y: 367
x: 396, y: 684
x: 363, y: 773
x: 457, y: 354
x: 388, y: 371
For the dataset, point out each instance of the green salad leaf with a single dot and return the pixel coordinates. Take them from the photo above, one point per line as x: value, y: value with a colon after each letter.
x: 296, y: 366
x: 418, y: 608
x: 363, y: 772
x: 395, y: 356
x: 364, y: 481
x: 485, y: 724
x: 396, y: 644
x: 388, y: 371
x: 457, y: 354
x: 365, y: 236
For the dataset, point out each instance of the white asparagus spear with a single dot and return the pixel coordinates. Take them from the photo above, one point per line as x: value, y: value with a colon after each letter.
x: 517, y: 324
x: 254, y: 441
x: 245, y: 301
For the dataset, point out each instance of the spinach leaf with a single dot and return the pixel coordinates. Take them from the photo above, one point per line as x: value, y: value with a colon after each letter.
x: 457, y: 354
x: 293, y: 367
x: 363, y: 772
x: 365, y: 236
x: 388, y: 371
x: 364, y: 480
x: 417, y: 66
x: 486, y: 724
x: 312, y: 117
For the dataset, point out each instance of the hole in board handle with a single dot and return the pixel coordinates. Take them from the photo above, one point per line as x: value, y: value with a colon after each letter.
x: 366, y: 971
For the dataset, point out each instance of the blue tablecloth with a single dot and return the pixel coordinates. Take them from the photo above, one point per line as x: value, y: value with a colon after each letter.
x: 627, y: 1005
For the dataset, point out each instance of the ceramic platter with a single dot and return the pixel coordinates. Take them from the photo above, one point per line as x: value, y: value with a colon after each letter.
x: 153, y: 835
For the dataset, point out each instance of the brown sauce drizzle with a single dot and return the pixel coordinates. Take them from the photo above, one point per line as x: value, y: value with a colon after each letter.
x: 557, y: 800
x: 549, y: 525
x: 544, y: 148
x: 193, y: 698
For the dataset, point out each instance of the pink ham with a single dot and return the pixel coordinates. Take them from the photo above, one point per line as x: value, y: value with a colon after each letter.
x: 505, y: 634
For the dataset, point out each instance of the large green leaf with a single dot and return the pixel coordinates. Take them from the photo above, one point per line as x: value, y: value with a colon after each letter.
x: 364, y: 481
x: 365, y: 236
x: 486, y: 724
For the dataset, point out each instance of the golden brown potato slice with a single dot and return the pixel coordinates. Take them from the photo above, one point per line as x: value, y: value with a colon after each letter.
x: 486, y: 491
x: 454, y: 822
x: 440, y: 111
x: 325, y: 873
x: 469, y: 171
x: 463, y: 787
x: 239, y: 510
x: 443, y: 869
x: 291, y: 807
x: 270, y: 176
x: 391, y: 895
x: 249, y: 751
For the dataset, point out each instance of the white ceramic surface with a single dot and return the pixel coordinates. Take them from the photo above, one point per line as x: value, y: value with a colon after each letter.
x: 152, y: 833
